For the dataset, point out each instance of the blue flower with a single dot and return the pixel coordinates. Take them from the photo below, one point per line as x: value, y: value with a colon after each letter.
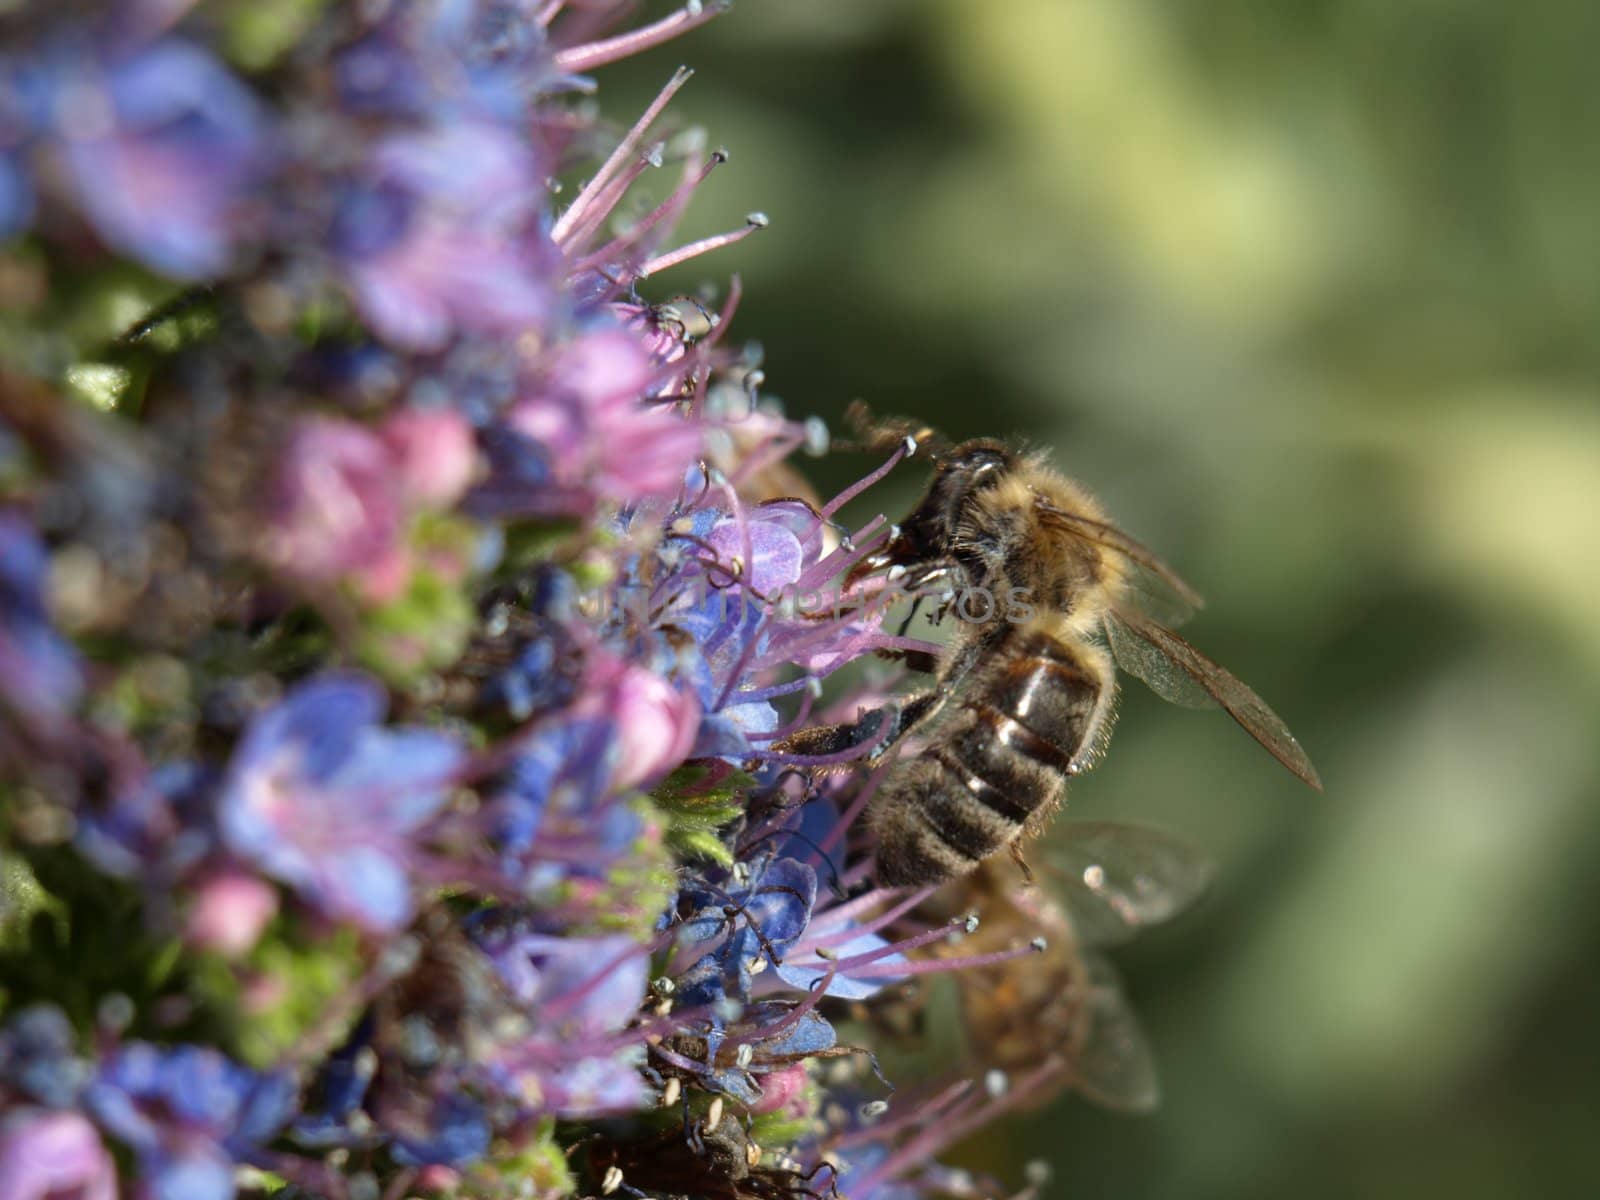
x: 561, y: 775
x: 37, y: 1057
x: 16, y: 198
x: 188, y: 1113
x: 483, y: 58
x: 154, y: 828
x: 323, y: 797
x: 458, y: 1133
x: 340, y: 1088
x: 41, y: 678
x: 579, y: 994
x: 161, y: 149
x: 752, y: 924
x: 440, y: 235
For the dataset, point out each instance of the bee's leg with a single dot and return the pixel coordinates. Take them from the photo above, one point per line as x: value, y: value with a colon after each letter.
x: 884, y: 726
x: 691, y: 1127
x: 823, y: 740
x: 1021, y: 861
x: 916, y: 607
x: 924, y: 662
x: 910, y: 713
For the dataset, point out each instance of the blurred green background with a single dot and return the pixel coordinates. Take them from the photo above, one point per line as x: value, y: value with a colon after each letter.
x: 1306, y: 290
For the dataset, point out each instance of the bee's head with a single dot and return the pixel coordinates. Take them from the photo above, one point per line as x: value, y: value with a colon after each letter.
x: 960, y: 474
x: 972, y: 466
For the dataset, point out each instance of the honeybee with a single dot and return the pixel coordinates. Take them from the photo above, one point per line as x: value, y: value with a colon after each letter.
x: 711, y: 1160
x: 1025, y: 688
x: 1065, y: 1006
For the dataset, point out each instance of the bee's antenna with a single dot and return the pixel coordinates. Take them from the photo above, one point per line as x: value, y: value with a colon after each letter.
x: 875, y: 435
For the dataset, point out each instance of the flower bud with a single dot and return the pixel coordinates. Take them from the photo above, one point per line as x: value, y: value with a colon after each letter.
x: 334, y: 509
x: 54, y: 1154
x: 229, y: 909
x: 434, y: 453
x: 783, y: 1091
x: 656, y: 726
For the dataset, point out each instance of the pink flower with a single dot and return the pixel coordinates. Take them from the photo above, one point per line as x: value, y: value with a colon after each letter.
x: 645, y: 452
x: 335, y: 509
x: 434, y: 453
x: 603, y: 368
x: 229, y: 909
x: 656, y: 726
x: 54, y: 1156
x: 784, y: 1091
x: 590, y: 431
x: 441, y: 237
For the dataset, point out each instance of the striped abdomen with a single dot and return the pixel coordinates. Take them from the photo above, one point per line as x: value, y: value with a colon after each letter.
x: 1000, y: 760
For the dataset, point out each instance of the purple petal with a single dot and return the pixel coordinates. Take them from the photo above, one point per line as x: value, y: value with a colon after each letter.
x: 806, y: 972
x: 167, y: 183
x: 775, y: 554
x: 366, y: 886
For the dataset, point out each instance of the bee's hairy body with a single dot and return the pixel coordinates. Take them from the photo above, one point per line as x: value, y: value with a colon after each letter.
x: 1023, y: 704
x: 1046, y: 590
x: 997, y: 765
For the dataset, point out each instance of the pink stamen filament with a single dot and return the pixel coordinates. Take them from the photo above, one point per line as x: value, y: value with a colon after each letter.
x: 602, y: 205
x: 841, y: 913
x: 848, y: 818
x: 937, y: 966
x: 870, y: 966
x: 855, y: 489
x: 694, y: 249
x: 917, y: 1149
x: 836, y: 562
x: 598, y: 54
x: 682, y: 1062
x: 941, y: 1129
x: 981, y: 1114
x: 903, y: 1117
x: 857, y: 963
x: 775, y: 451
x: 725, y: 317
x: 830, y: 937
x: 790, y: 1019
x: 672, y: 206
x: 625, y: 149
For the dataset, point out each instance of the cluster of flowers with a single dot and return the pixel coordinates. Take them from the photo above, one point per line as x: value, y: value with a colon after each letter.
x: 357, y: 842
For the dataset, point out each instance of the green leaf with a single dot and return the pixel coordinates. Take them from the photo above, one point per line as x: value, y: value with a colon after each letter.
x: 774, y: 1129
x: 698, y: 843
x: 531, y: 542
x: 257, y: 33
x: 305, y: 977
x: 537, y: 1168
x: 424, y: 629
x: 21, y: 899
x: 698, y: 799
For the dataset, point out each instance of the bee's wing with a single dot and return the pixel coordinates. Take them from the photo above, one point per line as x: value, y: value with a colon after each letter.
x: 1147, y: 659
x: 1113, y: 1066
x: 1153, y: 587
x: 1117, y: 877
x: 1178, y: 672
